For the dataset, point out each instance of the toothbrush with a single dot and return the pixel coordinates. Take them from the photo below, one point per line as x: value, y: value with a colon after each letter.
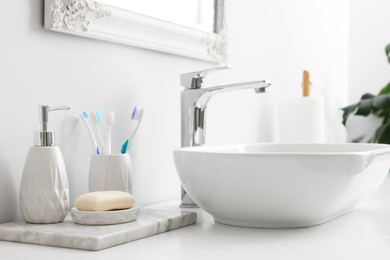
x: 136, y: 115
x: 84, y: 117
x: 96, y: 119
x: 110, y: 121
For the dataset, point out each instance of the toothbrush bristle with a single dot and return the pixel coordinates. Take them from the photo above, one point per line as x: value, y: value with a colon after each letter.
x: 134, y: 113
x: 124, y: 146
x: 85, y: 114
x: 98, y: 116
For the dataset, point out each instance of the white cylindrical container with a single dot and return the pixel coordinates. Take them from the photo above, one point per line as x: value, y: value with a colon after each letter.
x: 301, y: 120
x: 110, y: 172
x: 44, y: 189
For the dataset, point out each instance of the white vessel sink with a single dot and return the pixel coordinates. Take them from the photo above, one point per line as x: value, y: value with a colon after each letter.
x: 281, y: 185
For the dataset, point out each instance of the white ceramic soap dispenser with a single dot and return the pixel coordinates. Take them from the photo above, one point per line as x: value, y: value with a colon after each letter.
x: 44, y: 189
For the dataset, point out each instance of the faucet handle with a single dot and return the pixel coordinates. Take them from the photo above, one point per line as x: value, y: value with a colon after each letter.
x: 194, y: 80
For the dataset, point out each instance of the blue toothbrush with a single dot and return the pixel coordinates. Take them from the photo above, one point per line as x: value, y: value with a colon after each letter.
x: 136, y: 115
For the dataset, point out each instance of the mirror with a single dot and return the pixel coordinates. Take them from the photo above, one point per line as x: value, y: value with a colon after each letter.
x: 191, y: 28
x: 198, y: 14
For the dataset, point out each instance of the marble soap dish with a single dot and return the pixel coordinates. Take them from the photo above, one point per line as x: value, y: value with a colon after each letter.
x: 105, y: 217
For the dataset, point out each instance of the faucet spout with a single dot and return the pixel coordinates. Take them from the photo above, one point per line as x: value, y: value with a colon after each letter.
x: 259, y: 86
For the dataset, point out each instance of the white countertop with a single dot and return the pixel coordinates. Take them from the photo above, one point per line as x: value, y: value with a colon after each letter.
x: 361, y: 234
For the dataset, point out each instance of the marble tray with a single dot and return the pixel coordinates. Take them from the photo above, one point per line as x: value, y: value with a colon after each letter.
x: 70, y: 235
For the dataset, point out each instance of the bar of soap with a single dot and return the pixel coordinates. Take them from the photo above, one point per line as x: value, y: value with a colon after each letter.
x: 104, y: 201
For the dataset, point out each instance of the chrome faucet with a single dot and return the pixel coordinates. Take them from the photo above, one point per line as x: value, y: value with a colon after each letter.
x: 194, y: 100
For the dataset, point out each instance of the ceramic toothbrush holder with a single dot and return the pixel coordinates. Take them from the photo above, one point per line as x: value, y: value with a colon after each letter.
x: 110, y: 172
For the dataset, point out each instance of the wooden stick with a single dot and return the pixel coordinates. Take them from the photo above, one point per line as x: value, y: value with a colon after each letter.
x: 306, y: 83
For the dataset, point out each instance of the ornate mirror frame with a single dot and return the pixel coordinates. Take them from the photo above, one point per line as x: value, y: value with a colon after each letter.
x: 96, y: 20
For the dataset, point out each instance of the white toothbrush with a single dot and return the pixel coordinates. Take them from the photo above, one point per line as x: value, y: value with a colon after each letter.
x: 136, y: 115
x: 96, y: 119
x: 110, y: 121
x: 84, y: 117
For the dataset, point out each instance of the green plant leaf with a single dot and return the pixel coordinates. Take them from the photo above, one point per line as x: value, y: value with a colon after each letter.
x: 369, y: 104
x: 382, y: 134
x: 382, y: 106
x: 385, y: 90
x: 347, y: 111
x: 381, y: 102
x: 364, y: 107
x: 387, y: 50
x: 367, y: 96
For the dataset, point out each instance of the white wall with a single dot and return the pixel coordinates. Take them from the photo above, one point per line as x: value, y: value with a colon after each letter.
x: 268, y: 39
x: 369, y: 34
x: 278, y: 40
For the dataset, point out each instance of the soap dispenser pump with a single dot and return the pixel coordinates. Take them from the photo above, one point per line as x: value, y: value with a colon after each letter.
x: 44, y: 189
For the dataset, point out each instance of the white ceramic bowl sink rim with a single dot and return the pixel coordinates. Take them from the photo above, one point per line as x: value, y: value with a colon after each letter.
x: 356, y: 148
x: 278, y: 185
